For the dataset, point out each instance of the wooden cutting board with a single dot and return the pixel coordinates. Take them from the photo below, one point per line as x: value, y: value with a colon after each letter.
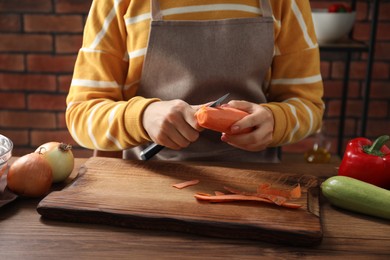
x: 139, y: 194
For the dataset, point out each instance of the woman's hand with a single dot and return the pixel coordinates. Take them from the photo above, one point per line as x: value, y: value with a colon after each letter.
x: 260, y: 119
x: 171, y: 123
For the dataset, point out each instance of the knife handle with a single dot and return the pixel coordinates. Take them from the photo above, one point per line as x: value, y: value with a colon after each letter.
x: 150, y: 151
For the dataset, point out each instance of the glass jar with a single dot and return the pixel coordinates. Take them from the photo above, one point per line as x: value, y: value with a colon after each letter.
x: 6, y: 147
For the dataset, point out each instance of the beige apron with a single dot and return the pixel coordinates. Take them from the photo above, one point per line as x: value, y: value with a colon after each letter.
x: 199, y: 61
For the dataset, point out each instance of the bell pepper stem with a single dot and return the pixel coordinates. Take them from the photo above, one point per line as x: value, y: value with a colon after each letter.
x: 375, y: 148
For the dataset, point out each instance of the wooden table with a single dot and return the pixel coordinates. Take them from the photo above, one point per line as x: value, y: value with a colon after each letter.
x: 25, y: 235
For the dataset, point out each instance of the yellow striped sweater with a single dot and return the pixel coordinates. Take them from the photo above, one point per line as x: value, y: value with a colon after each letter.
x: 103, y: 109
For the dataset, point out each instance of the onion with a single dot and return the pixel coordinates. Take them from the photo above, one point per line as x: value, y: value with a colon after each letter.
x: 30, y: 176
x: 60, y: 158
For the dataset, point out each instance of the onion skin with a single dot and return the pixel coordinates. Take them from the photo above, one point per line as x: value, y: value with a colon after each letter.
x: 30, y: 176
x: 60, y: 157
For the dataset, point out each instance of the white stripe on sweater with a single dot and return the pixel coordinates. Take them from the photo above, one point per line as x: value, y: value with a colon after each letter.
x: 75, y: 137
x: 196, y: 9
x: 94, y: 83
x: 302, y: 24
x: 90, y: 121
x: 137, y: 53
x: 297, y: 125
x: 297, y: 81
x: 110, y: 121
x: 310, y: 113
x: 111, y: 15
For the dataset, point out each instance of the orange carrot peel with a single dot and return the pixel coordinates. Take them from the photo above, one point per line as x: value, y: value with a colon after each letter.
x: 185, y: 184
x: 265, y: 193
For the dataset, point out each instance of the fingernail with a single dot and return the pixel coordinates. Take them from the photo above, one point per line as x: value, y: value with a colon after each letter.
x: 223, y: 137
x: 235, y: 129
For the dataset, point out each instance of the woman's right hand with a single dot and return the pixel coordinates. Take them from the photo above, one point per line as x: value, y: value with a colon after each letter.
x: 171, y: 123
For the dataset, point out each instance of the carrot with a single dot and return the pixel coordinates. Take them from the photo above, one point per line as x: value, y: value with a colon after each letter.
x: 220, y: 119
x: 185, y: 184
x: 240, y: 197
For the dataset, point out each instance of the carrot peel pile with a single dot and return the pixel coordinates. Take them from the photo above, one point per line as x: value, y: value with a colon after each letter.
x: 265, y: 193
x: 185, y: 184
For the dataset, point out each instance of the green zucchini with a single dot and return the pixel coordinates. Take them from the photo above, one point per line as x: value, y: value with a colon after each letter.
x: 358, y: 196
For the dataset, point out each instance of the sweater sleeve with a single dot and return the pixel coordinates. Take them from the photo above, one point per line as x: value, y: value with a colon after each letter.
x: 97, y: 115
x: 295, y: 86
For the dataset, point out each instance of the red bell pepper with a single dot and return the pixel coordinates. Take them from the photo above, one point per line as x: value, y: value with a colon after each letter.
x: 367, y: 161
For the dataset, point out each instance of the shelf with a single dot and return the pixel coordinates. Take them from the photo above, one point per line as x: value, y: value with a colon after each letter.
x: 346, y: 45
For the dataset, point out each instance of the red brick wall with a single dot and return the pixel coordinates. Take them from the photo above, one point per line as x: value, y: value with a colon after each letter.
x: 39, y: 40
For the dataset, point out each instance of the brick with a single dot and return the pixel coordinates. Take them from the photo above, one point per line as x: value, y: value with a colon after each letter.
x: 384, y: 11
x: 353, y: 108
x: 25, y: 43
x: 25, y: 119
x: 334, y: 88
x: 11, y: 62
x: 50, y: 63
x: 378, y: 109
x: 337, y: 70
x: 10, y: 22
x: 64, y: 83
x: 362, y: 31
x: 68, y: 43
x: 26, y: 6
x: 61, y: 121
x: 73, y: 6
x: 382, y: 33
x: 46, y: 102
x: 27, y: 82
x: 358, y: 70
x: 381, y: 70
x: 325, y: 69
x: 333, y: 125
x: 361, y: 11
x: 18, y: 137
x: 382, y: 51
x: 377, y: 128
x: 11, y: 100
x: 318, y: 4
x: 380, y: 89
x: 53, y: 23
x: 39, y: 137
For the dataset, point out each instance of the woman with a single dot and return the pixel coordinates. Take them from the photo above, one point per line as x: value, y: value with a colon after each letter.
x: 146, y: 66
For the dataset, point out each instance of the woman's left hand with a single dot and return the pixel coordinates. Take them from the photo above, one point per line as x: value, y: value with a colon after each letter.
x: 260, y: 119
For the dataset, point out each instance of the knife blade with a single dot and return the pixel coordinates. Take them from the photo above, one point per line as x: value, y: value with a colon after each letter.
x: 154, y: 148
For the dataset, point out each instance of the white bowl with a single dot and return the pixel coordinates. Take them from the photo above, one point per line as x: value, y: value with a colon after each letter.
x: 332, y: 27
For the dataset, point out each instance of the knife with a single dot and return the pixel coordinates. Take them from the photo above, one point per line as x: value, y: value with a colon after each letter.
x: 154, y: 148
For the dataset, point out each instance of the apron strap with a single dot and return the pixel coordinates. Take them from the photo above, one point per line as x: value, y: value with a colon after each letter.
x: 266, y: 8
x: 156, y: 14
